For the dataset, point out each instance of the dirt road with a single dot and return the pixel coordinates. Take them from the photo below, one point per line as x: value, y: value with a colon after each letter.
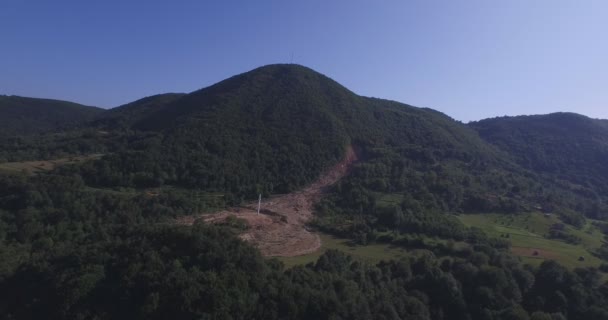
x: 280, y: 229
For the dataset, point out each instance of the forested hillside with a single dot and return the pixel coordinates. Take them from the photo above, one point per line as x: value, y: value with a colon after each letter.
x: 71, y: 252
x: 276, y: 128
x: 125, y: 116
x: 22, y: 115
x: 97, y: 239
x: 567, y: 148
x: 266, y: 131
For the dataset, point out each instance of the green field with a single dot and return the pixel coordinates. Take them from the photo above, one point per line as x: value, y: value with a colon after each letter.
x: 527, y: 232
x: 388, y: 199
x: 371, y: 253
x: 43, y: 165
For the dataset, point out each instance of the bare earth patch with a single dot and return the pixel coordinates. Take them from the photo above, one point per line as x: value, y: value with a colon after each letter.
x: 280, y: 228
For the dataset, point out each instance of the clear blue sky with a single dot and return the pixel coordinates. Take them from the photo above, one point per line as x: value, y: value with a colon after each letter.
x: 468, y: 59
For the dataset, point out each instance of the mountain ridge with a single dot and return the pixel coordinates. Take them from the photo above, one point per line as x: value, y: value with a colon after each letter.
x: 562, y: 146
x: 98, y: 238
x: 24, y: 115
x: 277, y: 127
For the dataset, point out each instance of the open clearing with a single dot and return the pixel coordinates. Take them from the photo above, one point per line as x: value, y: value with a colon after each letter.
x: 44, y: 165
x: 527, y: 235
x: 280, y: 228
x: 370, y: 253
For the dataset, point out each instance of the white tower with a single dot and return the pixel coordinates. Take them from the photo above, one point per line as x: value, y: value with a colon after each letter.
x: 259, y: 203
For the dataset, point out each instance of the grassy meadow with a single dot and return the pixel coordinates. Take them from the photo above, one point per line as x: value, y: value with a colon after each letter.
x: 370, y: 253
x: 43, y: 165
x: 527, y: 233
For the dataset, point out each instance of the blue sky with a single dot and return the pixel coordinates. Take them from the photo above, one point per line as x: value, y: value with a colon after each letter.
x: 468, y: 59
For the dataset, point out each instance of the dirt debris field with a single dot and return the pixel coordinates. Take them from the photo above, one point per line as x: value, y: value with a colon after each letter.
x: 280, y: 228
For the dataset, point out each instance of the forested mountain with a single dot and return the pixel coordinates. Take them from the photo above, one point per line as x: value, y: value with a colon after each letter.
x: 125, y: 116
x: 567, y: 148
x: 276, y: 128
x: 22, y: 115
x: 97, y: 240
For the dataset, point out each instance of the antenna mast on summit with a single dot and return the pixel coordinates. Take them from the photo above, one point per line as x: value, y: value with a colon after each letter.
x: 259, y: 203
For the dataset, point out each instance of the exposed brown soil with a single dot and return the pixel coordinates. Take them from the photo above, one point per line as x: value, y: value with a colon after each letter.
x: 280, y: 228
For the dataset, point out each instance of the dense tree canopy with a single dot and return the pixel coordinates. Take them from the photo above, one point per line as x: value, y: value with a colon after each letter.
x: 22, y: 115
x: 96, y: 239
x: 565, y: 148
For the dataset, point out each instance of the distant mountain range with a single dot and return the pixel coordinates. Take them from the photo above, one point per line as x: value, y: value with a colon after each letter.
x: 277, y: 127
